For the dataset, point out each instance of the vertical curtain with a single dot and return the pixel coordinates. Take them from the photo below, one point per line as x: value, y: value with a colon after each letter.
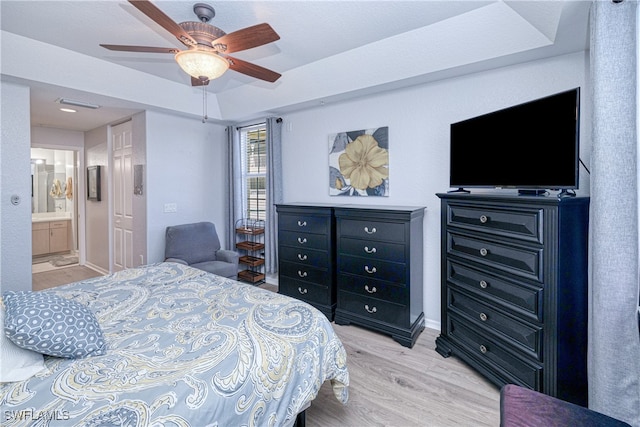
x: 274, y: 192
x: 235, y: 188
x: 614, y: 336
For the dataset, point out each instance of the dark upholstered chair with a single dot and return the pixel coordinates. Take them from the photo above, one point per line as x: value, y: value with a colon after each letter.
x: 522, y: 407
x: 198, y: 246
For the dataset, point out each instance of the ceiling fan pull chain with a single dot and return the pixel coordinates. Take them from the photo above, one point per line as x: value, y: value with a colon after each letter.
x: 204, y: 103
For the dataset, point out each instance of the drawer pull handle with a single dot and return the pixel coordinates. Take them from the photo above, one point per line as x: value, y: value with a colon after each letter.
x: 302, y: 241
x: 370, y: 310
x: 370, y: 251
x: 483, y: 284
x: 484, y: 251
x: 483, y: 317
x: 302, y: 291
x: 302, y: 223
x: 302, y: 257
x: 483, y: 349
x: 302, y: 273
x: 368, y: 270
x: 483, y: 219
x: 372, y: 231
x: 370, y: 290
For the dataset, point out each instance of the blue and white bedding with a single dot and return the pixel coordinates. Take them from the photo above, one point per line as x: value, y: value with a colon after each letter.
x: 184, y: 348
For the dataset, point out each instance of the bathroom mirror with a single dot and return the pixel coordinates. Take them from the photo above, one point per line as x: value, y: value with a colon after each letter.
x: 52, y: 185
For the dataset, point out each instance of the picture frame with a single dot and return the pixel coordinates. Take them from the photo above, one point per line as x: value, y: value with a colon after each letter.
x: 359, y: 163
x: 93, y: 183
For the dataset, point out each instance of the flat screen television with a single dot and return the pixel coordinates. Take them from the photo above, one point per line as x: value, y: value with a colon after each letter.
x: 532, y: 147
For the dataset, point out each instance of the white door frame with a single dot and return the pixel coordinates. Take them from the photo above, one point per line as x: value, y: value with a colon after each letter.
x: 81, y: 191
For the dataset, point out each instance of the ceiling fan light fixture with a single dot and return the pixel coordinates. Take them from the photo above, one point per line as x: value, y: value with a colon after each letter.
x: 202, y: 64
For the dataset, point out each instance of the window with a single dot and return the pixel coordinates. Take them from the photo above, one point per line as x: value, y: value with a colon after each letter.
x: 253, y: 143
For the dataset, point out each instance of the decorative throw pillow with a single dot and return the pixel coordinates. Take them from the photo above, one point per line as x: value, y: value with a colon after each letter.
x: 16, y: 363
x: 52, y: 325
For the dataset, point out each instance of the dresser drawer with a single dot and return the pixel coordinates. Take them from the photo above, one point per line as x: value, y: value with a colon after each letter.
x: 305, y: 273
x: 373, y: 269
x: 526, y: 337
x: 58, y: 224
x: 372, y: 308
x: 491, y: 352
x: 516, y: 259
x: 373, y: 288
x: 304, y: 256
x: 523, y: 298
x: 372, y: 249
x: 304, y: 291
x: 372, y: 230
x: 303, y: 240
x: 303, y: 223
x: 521, y: 223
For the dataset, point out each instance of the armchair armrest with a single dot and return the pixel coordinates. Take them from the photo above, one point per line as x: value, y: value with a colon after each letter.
x: 227, y: 256
x: 178, y: 260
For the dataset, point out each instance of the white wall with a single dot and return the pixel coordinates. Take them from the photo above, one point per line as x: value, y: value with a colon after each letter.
x: 56, y: 138
x: 15, y: 180
x: 186, y: 165
x: 139, y: 201
x: 97, y: 212
x: 418, y: 119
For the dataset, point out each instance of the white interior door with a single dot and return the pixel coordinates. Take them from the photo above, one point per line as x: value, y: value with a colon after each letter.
x: 122, y: 197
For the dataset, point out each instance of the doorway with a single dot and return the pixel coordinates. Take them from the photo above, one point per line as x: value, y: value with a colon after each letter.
x: 54, y: 208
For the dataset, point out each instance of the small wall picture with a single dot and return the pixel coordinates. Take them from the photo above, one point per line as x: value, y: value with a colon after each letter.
x: 93, y: 183
x: 359, y: 163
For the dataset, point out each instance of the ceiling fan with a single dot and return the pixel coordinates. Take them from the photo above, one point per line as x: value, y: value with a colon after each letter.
x: 208, y: 47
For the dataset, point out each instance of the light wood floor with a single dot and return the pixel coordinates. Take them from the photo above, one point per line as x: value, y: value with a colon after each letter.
x: 390, y: 385
x: 61, y: 276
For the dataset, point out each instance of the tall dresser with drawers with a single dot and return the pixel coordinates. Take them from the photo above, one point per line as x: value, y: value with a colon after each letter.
x: 306, y: 254
x: 379, y: 259
x: 514, y: 289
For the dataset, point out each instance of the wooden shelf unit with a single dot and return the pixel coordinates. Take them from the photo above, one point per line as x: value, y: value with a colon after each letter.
x: 250, y: 242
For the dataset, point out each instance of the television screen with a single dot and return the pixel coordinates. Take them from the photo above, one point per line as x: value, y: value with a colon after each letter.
x: 534, y: 145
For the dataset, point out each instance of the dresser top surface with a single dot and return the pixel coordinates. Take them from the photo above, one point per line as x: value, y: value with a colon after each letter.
x: 512, y: 198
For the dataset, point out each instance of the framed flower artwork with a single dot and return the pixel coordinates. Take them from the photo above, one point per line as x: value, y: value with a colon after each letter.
x: 359, y: 163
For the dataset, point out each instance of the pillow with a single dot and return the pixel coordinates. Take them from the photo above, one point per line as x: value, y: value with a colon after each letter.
x: 16, y: 363
x: 52, y: 325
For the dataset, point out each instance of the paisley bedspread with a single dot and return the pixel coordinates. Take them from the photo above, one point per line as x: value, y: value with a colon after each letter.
x: 185, y: 348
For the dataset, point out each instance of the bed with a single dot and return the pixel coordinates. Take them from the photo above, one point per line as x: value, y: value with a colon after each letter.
x: 183, y: 347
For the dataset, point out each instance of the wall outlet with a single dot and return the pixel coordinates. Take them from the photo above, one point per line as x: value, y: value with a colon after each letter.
x: 170, y: 207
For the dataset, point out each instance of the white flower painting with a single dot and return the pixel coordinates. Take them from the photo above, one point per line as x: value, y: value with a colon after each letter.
x: 359, y: 163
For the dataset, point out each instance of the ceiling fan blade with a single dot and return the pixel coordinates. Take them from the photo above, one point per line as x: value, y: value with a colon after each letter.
x: 198, y: 82
x: 163, y: 20
x: 246, y: 38
x: 252, y: 70
x: 125, y: 48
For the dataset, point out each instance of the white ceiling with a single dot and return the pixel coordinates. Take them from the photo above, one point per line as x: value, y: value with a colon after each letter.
x: 328, y: 50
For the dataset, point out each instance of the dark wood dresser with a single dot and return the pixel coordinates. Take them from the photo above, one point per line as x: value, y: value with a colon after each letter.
x: 514, y: 289
x: 306, y: 254
x: 379, y: 259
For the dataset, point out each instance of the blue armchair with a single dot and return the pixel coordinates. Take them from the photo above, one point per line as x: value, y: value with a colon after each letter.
x: 198, y: 246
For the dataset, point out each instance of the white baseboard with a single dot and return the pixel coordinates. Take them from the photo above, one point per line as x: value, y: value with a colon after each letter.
x: 432, y: 324
x: 96, y: 268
